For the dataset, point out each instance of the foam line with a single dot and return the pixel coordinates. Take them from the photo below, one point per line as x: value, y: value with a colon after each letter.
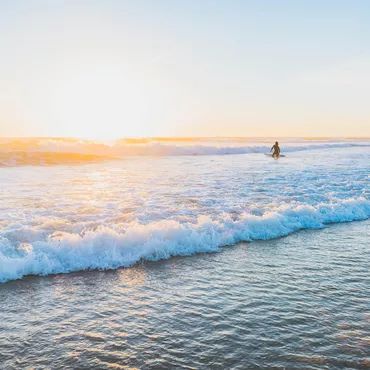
x: 111, y: 247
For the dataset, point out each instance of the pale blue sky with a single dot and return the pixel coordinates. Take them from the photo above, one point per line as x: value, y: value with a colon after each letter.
x: 195, y: 68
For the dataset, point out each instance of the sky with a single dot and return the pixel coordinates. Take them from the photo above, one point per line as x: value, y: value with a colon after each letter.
x: 118, y: 68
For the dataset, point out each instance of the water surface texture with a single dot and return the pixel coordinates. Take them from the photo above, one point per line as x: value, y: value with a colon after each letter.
x: 298, y: 302
x: 60, y: 219
x: 273, y: 292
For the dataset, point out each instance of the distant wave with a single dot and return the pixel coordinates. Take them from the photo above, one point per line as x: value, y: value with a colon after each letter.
x: 50, y: 152
x: 113, y: 247
x: 177, y: 150
x: 21, y: 158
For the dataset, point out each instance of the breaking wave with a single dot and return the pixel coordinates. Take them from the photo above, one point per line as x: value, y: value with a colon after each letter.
x: 117, y: 246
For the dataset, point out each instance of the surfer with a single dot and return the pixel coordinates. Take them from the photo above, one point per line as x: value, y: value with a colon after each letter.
x: 276, y: 149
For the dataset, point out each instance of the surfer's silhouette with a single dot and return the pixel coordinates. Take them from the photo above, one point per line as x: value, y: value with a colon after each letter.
x: 276, y: 149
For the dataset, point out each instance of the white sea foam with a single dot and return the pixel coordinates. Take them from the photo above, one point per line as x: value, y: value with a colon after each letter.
x: 112, y: 247
x: 59, y: 219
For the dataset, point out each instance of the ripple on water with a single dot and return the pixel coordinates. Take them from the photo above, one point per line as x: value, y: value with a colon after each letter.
x: 299, y: 302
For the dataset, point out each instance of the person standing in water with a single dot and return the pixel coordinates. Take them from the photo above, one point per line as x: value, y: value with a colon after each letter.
x: 276, y: 153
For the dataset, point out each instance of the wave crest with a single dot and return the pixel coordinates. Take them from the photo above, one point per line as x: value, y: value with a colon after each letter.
x: 113, y: 247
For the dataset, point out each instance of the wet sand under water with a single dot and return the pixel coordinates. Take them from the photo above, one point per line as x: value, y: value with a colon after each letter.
x: 298, y: 302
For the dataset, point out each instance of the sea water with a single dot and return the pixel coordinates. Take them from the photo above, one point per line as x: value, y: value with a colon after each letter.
x: 105, y: 215
x: 287, y: 288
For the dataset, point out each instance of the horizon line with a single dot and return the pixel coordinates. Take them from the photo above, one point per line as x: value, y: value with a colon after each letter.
x: 184, y: 137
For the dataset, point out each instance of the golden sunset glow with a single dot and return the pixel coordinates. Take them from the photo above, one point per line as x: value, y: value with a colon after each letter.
x: 100, y: 101
x: 111, y: 70
x: 94, y: 99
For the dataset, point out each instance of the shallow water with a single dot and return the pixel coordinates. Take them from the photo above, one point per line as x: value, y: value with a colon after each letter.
x: 298, y: 302
x: 68, y: 218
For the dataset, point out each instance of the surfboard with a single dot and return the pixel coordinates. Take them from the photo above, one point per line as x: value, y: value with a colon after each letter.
x: 270, y: 155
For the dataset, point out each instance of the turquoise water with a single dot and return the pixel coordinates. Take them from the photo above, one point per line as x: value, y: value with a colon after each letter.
x: 297, y: 302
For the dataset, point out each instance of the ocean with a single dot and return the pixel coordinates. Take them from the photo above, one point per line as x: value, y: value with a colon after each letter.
x: 197, y: 253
